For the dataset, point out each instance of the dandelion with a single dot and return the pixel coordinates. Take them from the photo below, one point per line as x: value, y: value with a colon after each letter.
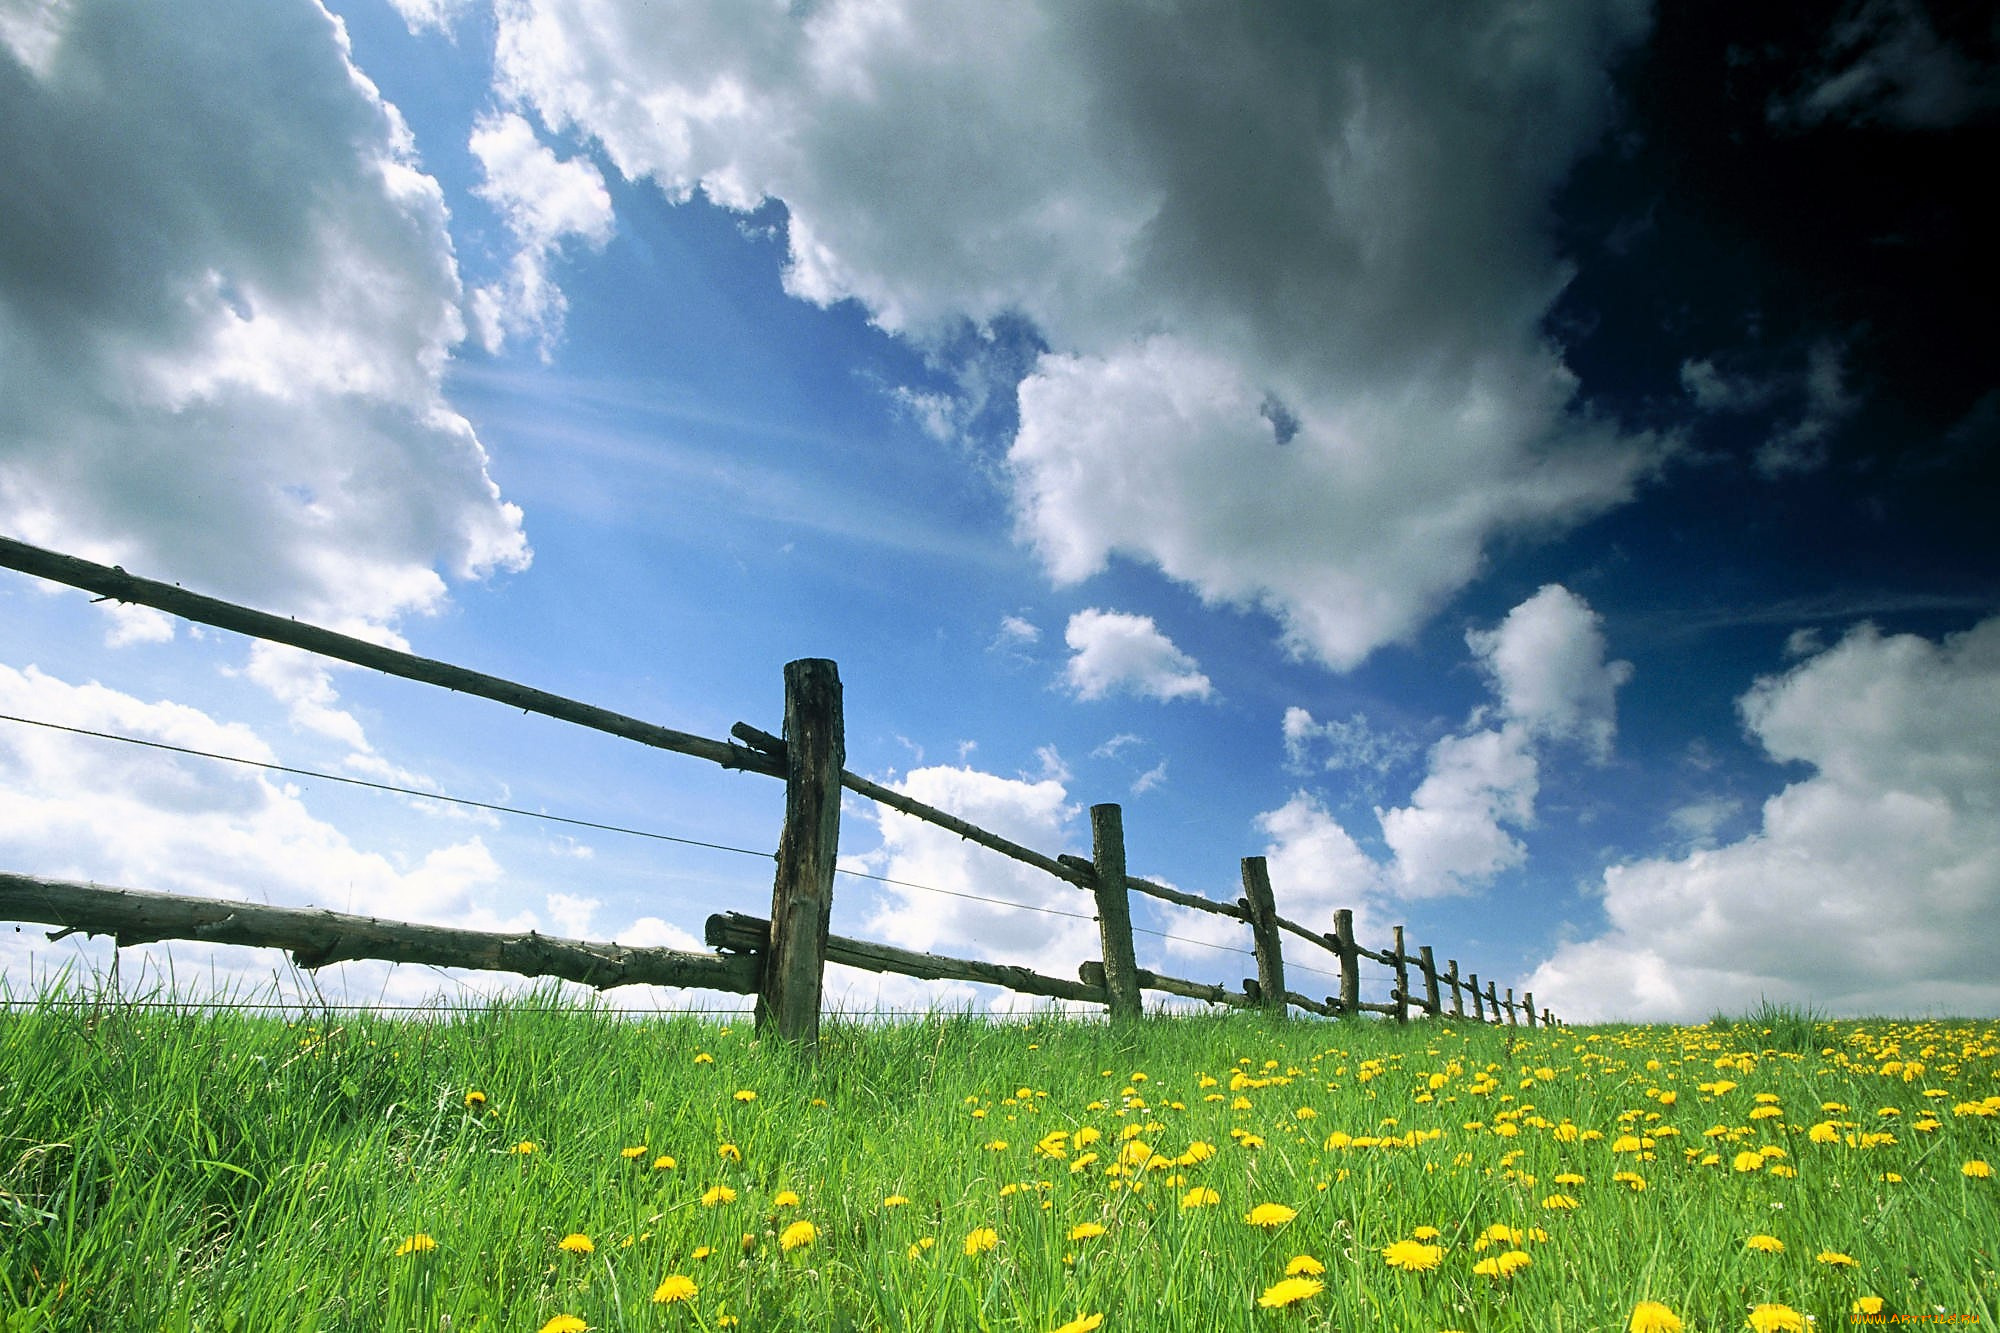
x: 524, y: 1147
x: 1086, y: 1230
x: 702, y: 1252
x: 1560, y: 1201
x: 674, y: 1289
x: 1866, y: 1305
x: 577, y: 1243
x: 632, y: 1154
x: 918, y: 1247
x: 1431, y: 1233
x: 1749, y: 1161
x: 703, y: 1058
x: 1765, y: 1244
x: 1653, y: 1317
x: 717, y: 1194
x: 474, y: 1100
x: 895, y: 1201
x: 1835, y: 1259
x: 797, y: 1236
x: 565, y: 1323
x: 663, y: 1163
x: 1777, y: 1319
x: 1200, y: 1197
x: 1976, y: 1170
x: 980, y: 1240
x: 996, y: 1145
x: 417, y: 1244
x: 1413, y: 1256
x: 729, y: 1152
x: 1270, y: 1216
x: 785, y: 1199
x: 1503, y: 1265
x: 745, y: 1095
x: 1082, y: 1324
x: 1290, y: 1292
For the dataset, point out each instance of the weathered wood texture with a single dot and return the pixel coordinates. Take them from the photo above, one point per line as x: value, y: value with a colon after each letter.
x: 1402, y: 966
x: 749, y: 936
x: 802, y: 895
x: 1350, y: 969
x: 1262, y: 909
x: 317, y: 938
x: 1114, y: 910
x: 115, y: 584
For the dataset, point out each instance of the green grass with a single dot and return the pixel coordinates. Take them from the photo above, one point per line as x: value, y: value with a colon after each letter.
x: 169, y: 1168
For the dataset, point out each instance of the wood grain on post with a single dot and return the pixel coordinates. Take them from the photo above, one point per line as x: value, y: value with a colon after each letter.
x: 1478, y: 1005
x: 1402, y: 980
x: 1513, y: 1015
x: 1262, y: 908
x: 1350, y: 962
x: 1114, y: 910
x: 1528, y: 1006
x: 1457, y: 995
x: 802, y: 895
x: 1493, y: 1000
x: 1425, y: 961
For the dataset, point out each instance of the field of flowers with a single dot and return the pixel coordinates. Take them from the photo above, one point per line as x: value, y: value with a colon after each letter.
x: 549, y: 1170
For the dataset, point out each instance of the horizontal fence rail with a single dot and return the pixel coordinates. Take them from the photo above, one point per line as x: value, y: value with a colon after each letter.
x: 780, y: 958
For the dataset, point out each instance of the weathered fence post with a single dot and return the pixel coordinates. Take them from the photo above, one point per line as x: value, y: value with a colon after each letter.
x: 1350, y: 963
x: 1513, y: 1014
x: 802, y: 896
x: 1432, y: 1009
x: 1528, y: 1006
x: 1457, y: 996
x: 1402, y: 980
x: 1493, y: 1000
x: 1114, y: 910
x: 1262, y: 908
x: 1478, y: 1007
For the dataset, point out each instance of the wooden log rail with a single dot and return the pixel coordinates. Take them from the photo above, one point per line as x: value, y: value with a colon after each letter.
x: 113, y: 583
x: 316, y: 938
x: 749, y: 937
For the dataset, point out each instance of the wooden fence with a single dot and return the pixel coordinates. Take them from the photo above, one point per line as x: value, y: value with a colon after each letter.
x: 781, y: 959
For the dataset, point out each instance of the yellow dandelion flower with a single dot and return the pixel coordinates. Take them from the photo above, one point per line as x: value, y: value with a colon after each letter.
x: 785, y: 1199
x: 1976, y: 1170
x: 1823, y: 1132
x: 1290, y: 1292
x: 745, y: 1095
x: 1765, y: 1244
x: 1867, y: 1305
x: 729, y: 1152
x: 1835, y: 1259
x: 417, y: 1244
x: 1081, y: 1324
x: 565, y: 1323
x: 1777, y: 1319
x: 1503, y: 1265
x: 1631, y: 1180
x: 1749, y: 1161
x: 703, y: 1058
x: 894, y: 1201
x: 1653, y: 1317
x: 1197, y: 1152
x: 674, y: 1289
x: 1200, y: 1197
x: 702, y: 1252
x: 796, y: 1236
x: 663, y: 1163
x: 1430, y: 1233
x: 1560, y: 1201
x: 918, y: 1247
x: 577, y: 1243
x: 996, y: 1145
x: 631, y: 1154
x: 1413, y: 1256
x: 1270, y: 1216
x: 717, y: 1194
x: 980, y: 1240
x: 525, y: 1147
x: 474, y: 1100
x: 1086, y: 1230
x: 1304, y: 1265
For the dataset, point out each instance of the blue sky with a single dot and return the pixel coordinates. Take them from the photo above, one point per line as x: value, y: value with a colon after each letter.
x: 1527, y: 475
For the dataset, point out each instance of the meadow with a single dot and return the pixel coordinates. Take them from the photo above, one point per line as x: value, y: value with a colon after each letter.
x: 539, y: 1167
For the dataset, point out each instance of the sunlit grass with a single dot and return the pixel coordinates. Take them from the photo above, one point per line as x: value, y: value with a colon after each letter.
x: 516, y: 1169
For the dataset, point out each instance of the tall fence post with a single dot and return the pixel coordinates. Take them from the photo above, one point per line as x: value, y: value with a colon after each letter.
x: 1457, y: 995
x: 1513, y: 1014
x: 1493, y: 1000
x: 1478, y: 1007
x: 1350, y: 963
x: 1528, y: 1006
x: 1114, y: 910
x: 1425, y: 960
x: 802, y: 896
x: 1402, y: 980
x: 1262, y: 908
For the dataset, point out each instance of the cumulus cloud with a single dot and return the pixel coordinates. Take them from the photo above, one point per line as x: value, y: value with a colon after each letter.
x: 1114, y: 651
x: 1883, y: 62
x: 1546, y: 662
x: 1869, y: 886
x: 225, y: 318
x: 1288, y: 263
x: 1819, y: 390
x: 544, y: 200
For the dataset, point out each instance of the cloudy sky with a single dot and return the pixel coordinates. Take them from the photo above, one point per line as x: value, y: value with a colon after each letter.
x: 1525, y: 470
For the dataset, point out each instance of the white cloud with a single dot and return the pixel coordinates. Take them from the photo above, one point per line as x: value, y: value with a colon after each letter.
x: 1798, y: 442
x: 1310, y: 377
x: 1546, y: 660
x: 1115, y: 651
x: 1351, y: 746
x: 1015, y: 630
x: 1869, y: 887
x: 544, y: 201
x: 224, y: 323
x: 1883, y: 62
x: 1150, y: 779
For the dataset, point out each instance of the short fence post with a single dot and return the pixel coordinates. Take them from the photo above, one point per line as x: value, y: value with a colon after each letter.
x: 1432, y: 1009
x: 1493, y: 1000
x: 1350, y: 963
x: 1114, y: 910
x: 1402, y: 980
x: 1478, y: 1005
x: 1513, y: 1014
x: 1457, y: 996
x: 1528, y: 1006
x: 1262, y: 908
x: 802, y: 895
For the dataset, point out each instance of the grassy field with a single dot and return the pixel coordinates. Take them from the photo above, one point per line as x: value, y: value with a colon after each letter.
x: 540, y: 1169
